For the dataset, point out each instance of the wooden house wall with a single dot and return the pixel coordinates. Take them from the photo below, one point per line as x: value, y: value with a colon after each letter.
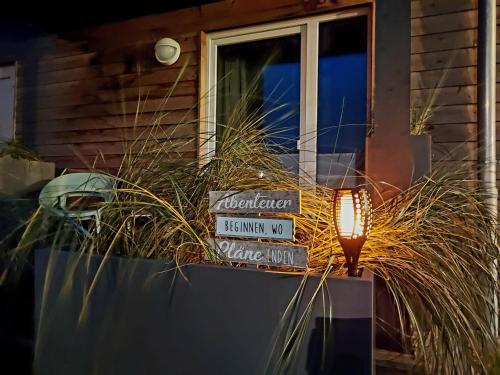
x: 77, y: 102
x: 444, y: 64
x: 78, y: 93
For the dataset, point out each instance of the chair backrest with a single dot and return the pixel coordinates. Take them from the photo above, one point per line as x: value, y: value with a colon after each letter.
x: 54, y: 196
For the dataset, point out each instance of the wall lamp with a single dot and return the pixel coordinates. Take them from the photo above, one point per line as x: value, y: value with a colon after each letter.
x: 167, y: 51
x: 352, y: 218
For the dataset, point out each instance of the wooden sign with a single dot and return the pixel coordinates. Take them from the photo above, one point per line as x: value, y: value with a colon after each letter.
x: 254, y: 227
x: 255, y: 201
x: 260, y: 253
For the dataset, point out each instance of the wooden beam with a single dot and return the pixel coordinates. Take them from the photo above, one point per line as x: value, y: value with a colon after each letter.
x: 442, y: 23
x: 458, y: 58
x: 445, y: 95
x: 444, y: 41
x: 444, y: 78
x: 114, y: 122
x: 118, y: 108
x: 55, y: 137
x: 65, y: 98
x: 214, y: 16
x: 454, y: 114
x: 422, y: 8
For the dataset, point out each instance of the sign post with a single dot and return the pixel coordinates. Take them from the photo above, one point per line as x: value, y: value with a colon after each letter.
x: 238, y: 227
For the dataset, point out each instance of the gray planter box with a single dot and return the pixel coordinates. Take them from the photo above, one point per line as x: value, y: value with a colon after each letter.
x: 19, y: 175
x: 144, y: 317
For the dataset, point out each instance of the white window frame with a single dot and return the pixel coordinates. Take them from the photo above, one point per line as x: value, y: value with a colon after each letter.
x: 308, y: 28
x: 9, y: 71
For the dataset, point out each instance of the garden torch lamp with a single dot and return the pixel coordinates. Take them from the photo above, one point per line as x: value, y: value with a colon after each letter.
x: 352, y: 218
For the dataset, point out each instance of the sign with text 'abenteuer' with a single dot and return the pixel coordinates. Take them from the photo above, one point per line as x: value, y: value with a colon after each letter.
x: 255, y: 201
x: 232, y: 248
x: 265, y: 253
x: 254, y: 227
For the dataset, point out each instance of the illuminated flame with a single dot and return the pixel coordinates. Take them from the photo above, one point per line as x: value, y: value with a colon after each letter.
x: 345, y: 215
x: 351, y: 216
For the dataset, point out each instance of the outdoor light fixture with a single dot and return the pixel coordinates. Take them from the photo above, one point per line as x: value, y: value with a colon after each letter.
x: 167, y: 51
x: 352, y: 217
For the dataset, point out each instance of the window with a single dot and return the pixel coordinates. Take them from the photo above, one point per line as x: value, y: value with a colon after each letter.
x: 317, y: 70
x: 7, y: 101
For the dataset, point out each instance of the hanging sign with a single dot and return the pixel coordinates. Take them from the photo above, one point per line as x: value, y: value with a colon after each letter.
x: 254, y: 227
x: 255, y: 201
x: 228, y: 225
x: 264, y: 253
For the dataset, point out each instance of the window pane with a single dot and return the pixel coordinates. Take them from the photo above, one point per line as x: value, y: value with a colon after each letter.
x: 270, y: 68
x: 342, y: 100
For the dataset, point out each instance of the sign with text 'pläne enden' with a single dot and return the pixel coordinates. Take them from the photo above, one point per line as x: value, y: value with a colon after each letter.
x: 265, y: 253
x: 226, y: 204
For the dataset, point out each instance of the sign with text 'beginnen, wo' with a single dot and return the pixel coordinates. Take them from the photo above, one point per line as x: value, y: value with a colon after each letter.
x: 254, y: 227
x: 255, y: 201
x: 244, y: 226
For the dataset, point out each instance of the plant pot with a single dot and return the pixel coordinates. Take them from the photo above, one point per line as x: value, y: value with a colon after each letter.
x: 145, y: 317
x: 421, y: 148
x: 20, y: 175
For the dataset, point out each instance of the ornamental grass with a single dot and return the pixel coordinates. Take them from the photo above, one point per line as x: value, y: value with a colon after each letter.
x: 433, y: 244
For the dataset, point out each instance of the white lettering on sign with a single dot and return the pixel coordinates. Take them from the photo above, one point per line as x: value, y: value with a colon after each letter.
x: 260, y: 253
x: 258, y: 202
x: 255, y: 201
x: 255, y: 227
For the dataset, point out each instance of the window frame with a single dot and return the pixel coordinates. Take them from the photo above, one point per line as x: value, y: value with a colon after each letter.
x: 308, y: 29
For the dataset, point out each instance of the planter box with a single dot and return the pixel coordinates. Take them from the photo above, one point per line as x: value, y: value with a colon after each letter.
x: 144, y: 317
x: 19, y: 175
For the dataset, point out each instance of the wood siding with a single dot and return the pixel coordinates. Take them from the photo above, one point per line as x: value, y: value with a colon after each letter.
x: 444, y: 64
x: 78, y: 93
x: 76, y: 102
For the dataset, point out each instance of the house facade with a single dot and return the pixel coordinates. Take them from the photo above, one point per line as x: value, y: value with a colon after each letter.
x: 77, y: 92
x: 354, y: 73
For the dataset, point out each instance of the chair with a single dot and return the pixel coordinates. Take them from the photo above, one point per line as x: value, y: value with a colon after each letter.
x: 78, y: 196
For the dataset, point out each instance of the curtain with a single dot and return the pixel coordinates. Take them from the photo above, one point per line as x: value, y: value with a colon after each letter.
x: 233, y: 84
